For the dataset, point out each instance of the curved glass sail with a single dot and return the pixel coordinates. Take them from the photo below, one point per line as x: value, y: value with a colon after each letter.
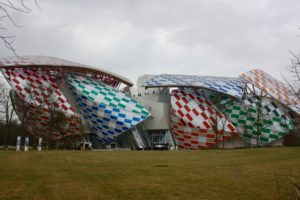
x: 226, y: 85
x: 196, y: 122
x: 108, y: 111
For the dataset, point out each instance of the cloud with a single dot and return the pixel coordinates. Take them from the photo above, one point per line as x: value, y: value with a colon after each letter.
x: 139, y: 37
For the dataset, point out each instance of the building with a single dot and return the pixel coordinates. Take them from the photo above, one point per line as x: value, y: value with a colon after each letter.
x: 56, y: 98
x: 254, y: 109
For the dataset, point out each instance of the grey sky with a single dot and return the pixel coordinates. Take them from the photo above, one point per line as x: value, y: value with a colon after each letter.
x: 132, y: 38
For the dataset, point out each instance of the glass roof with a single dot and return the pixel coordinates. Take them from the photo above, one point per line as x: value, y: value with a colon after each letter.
x: 226, y: 85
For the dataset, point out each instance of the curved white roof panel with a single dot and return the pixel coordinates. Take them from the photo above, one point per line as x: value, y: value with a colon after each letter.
x: 39, y: 61
x: 273, y: 87
x: 226, y: 85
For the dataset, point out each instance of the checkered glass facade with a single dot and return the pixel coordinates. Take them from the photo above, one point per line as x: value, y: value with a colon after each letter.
x: 258, y: 121
x: 37, y: 95
x: 108, y: 111
x: 273, y: 87
x: 195, y: 122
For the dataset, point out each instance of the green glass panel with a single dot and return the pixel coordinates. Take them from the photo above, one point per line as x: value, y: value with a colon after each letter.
x: 234, y: 116
x: 85, y: 92
x: 121, y: 105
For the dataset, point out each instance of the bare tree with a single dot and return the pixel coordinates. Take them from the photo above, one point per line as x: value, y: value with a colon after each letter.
x: 39, y: 109
x: 6, y: 9
x: 24, y: 111
x: 218, y: 122
x: 57, y: 122
x: 259, y: 117
x: 292, y: 79
x: 6, y: 113
x: 292, y: 76
x: 255, y: 111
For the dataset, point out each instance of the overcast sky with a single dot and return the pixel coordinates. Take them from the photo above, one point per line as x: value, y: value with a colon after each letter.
x: 132, y: 38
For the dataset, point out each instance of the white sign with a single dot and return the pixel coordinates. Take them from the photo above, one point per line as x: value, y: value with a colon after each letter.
x: 26, y: 144
x: 18, y: 146
x: 40, y: 144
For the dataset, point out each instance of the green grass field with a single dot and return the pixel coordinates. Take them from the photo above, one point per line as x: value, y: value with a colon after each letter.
x: 212, y: 174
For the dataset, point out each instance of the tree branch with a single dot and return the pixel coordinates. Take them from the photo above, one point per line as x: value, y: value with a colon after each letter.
x: 5, y: 7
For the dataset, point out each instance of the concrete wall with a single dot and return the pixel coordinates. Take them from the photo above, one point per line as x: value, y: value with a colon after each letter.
x: 155, y: 101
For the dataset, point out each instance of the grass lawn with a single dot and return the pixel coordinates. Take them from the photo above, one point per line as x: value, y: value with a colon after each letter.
x: 212, y: 174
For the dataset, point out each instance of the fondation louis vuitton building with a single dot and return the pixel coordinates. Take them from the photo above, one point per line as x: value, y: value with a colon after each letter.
x: 169, y: 111
x: 88, y: 97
